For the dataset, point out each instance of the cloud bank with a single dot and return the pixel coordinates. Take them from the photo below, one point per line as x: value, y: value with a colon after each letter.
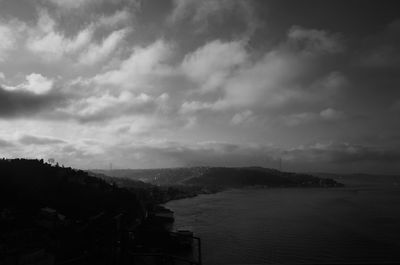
x: 196, y: 83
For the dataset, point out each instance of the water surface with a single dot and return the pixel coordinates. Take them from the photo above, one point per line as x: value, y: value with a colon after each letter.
x: 359, y: 223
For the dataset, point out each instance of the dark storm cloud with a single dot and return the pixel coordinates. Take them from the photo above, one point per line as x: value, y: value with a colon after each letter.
x: 382, y: 49
x: 24, y: 103
x: 372, y: 65
x: 35, y: 140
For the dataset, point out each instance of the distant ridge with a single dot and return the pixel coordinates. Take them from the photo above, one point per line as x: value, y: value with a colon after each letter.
x: 225, y: 177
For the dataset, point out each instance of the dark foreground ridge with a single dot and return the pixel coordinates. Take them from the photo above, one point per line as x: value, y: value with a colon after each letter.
x: 57, y: 215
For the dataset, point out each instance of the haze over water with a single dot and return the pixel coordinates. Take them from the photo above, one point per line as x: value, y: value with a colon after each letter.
x: 359, y: 223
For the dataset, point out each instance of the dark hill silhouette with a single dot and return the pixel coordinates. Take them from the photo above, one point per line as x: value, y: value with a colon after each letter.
x: 48, y: 213
x: 33, y: 184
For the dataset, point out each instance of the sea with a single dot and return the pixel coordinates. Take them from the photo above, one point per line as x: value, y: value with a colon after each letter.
x: 359, y: 223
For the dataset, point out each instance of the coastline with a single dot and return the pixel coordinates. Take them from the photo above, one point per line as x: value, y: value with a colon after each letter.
x: 250, y: 187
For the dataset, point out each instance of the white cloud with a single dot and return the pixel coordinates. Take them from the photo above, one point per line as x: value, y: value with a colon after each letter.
x: 210, y: 65
x: 51, y: 44
x: 46, y: 41
x: 45, y: 23
x: 99, y: 52
x: 8, y: 38
x: 242, y: 117
x: 279, y: 78
x: 6, y: 41
x: 331, y: 114
x: 2, y: 75
x: 325, y: 115
x: 75, y: 4
x: 274, y: 80
x: 97, y: 104
x: 201, y: 12
x: 35, y: 83
x: 195, y: 106
x: 201, y: 9
x: 80, y: 41
x: 113, y: 106
x: 38, y: 83
x: 284, y: 75
x: 269, y: 82
x: 137, y: 71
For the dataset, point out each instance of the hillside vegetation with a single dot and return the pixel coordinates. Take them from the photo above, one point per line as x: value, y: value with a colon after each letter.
x: 34, y: 184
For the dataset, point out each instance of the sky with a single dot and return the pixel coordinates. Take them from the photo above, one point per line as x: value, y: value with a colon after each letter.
x: 173, y: 83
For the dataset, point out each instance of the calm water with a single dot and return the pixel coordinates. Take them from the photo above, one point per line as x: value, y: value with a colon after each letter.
x: 359, y: 223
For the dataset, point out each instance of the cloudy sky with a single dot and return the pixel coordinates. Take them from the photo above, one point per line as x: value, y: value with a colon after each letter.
x: 156, y: 83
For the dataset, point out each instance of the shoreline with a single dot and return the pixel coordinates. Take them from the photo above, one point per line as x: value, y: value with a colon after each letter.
x: 253, y: 187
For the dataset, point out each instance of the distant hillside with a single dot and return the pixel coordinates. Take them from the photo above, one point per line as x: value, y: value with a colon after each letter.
x: 154, y: 194
x: 159, y: 176
x: 222, y: 177
x: 363, y: 179
x: 123, y: 181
